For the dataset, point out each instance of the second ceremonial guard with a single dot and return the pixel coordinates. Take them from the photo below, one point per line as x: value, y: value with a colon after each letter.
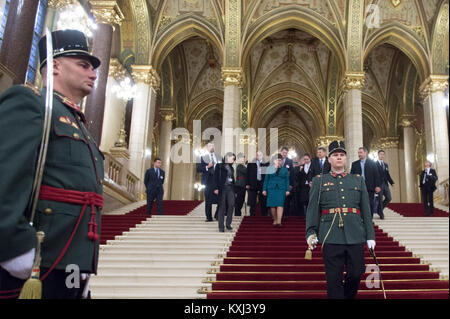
x: 339, y: 218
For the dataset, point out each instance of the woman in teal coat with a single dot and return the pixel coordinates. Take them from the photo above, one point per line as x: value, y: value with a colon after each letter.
x: 276, y: 188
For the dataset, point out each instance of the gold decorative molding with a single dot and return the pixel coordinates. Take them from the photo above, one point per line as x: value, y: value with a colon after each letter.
x: 232, y: 76
x: 386, y: 143
x: 107, y: 12
x: 146, y: 74
x: 407, y: 120
x: 120, y: 152
x: 232, y: 32
x: 434, y: 83
x: 116, y: 69
x: 353, y: 80
x: 167, y: 114
x: 59, y: 4
x: 326, y: 140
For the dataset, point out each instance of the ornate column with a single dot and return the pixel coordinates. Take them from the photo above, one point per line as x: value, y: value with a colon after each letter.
x: 409, y: 146
x: 353, y: 128
x: 106, y: 14
x: 436, y: 127
x: 114, y: 117
x: 18, y: 38
x: 167, y: 117
x: 183, y: 178
x: 147, y: 82
x: 232, y: 79
x: 392, y: 158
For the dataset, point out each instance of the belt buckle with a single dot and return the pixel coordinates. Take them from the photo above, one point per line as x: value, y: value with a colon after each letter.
x: 338, y: 210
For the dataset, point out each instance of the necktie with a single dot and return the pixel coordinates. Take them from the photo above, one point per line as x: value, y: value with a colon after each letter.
x: 212, y: 159
x: 258, y: 174
x: 321, y: 164
x: 157, y: 171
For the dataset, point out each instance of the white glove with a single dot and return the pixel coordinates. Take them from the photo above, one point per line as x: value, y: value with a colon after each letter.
x: 20, y: 266
x: 371, y: 244
x: 312, y: 241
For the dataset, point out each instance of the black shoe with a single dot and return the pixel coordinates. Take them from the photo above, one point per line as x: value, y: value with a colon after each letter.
x: 208, y: 220
x: 221, y: 231
x: 229, y: 228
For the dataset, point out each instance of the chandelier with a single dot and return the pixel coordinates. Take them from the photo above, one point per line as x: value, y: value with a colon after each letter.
x: 124, y: 89
x: 75, y: 17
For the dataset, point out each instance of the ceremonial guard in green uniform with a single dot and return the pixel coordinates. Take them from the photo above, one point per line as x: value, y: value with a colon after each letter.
x: 339, y: 215
x: 70, y: 196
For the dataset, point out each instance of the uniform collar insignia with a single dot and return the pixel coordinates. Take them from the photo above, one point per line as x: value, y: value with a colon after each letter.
x: 335, y: 175
x: 65, y: 100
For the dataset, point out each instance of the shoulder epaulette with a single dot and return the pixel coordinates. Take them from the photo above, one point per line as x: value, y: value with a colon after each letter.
x: 319, y: 175
x: 32, y: 88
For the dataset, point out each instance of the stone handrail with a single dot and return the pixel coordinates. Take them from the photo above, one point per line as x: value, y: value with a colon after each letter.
x: 118, y: 178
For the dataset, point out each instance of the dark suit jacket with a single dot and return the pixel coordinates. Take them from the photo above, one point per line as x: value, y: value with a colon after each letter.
x: 302, y: 178
x: 384, y: 173
x: 371, y: 173
x: 151, y: 180
x: 430, y: 180
x: 220, y: 176
x: 289, y: 164
x: 252, y: 174
x: 315, y: 166
x: 208, y: 174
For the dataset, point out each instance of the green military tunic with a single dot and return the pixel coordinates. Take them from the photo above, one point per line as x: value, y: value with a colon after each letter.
x: 74, y: 162
x: 339, y: 191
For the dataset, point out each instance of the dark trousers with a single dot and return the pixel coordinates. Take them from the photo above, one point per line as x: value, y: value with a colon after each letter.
x: 287, y: 206
x: 335, y: 258
x: 303, y: 207
x: 254, y: 194
x: 371, y: 201
x: 210, y: 199
x: 385, y: 194
x: 427, y: 199
x: 53, y: 287
x: 226, y: 206
x: 152, y: 195
x: 240, y: 199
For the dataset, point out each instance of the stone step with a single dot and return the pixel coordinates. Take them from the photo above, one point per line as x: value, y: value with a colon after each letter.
x: 128, y: 295
x: 120, y: 278
x: 204, y: 262
x: 147, y: 290
x: 151, y: 235
x: 187, y: 232
x: 174, y: 243
x: 150, y: 270
x: 168, y: 250
x: 193, y: 255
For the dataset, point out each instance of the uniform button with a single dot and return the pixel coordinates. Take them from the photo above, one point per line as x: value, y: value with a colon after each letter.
x: 345, y: 214
x: 343, y: 197
x: 344, y: 205
x: 328, y: 189
x: 76, y: 136
x: 48, y: 211
x: 89, y: 137
x: 96, y: 158
x: 340, y: 176
x: 342, y: 189
x: 340, y: 183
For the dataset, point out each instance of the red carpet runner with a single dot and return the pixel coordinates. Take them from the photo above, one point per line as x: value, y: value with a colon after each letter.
x: 267, y: 262
x: 414, y: 210
x: 113, y: 225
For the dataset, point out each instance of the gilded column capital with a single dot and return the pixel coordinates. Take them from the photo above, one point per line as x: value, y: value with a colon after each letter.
x: 167, y: 114
x: 327, y: 139
x: 59, y: 4
x: 434, y: 83
x: 386, y: 143
x: 407, y: 120
x: 107, y: 12
x: 232, y: 76
x: 353, y: 80
x: 146, y: 74
x: 116, y: 69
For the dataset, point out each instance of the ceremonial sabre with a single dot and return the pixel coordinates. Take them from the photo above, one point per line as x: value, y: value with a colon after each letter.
x: 46, y: 131
x: 32, y: 289
x: 372, y: 253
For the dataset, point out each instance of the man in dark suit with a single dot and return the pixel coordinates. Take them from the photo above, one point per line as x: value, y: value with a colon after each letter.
x: 289, y: 164
x: 304, y: 178
x: 255, y: 182
x: 386, y: 179
x: 428, y: 179
x: 154, y: 181
x: 369, y: 171
x: 320, y: 164
x: 207, y: 166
